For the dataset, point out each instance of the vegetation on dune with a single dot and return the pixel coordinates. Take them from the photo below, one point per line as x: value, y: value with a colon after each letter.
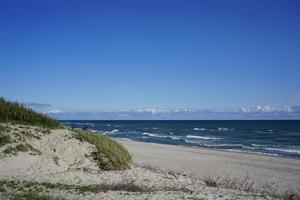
x: 17, y: 190
x: 15, y: 112
x: 4, y: 139
x: 109, y: 154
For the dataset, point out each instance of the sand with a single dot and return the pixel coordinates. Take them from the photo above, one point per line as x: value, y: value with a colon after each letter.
x: 57, y: 157
x: 283, y: 173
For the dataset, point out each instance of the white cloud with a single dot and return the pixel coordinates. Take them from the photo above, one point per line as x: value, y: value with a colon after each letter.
x: 255, y: 112
x: 43, y: 108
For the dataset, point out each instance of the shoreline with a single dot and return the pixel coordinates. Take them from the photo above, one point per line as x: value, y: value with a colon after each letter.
x: 207, y: 162
x: 213, y: 149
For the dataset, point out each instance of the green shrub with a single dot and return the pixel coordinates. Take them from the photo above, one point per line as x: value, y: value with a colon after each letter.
x: 109, y: 154
x: 15, y: 112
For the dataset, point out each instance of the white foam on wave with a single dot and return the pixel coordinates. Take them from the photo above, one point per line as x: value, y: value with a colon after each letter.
x: 175, y: 138
x: 260, y: 153
x: 223, y: 129
x: 114, y: 131
x: 154, y: 135
x: 124, y: 139
x: 160, y: 136
x: 293, y: 151
x: 257, y: 145
x: 193, y: 141
x: 199, y: 129
x: 247, y: 147
x: 202, y: 137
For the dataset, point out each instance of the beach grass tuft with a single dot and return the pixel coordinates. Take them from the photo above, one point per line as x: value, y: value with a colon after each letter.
x: 15, y: 112
x: 109, y: 154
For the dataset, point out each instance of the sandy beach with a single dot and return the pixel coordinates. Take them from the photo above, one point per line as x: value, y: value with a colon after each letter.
x: 283, y: 173
x: 56, y: 163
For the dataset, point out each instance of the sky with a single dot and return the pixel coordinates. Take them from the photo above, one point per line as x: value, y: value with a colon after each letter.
x: 86, y: 56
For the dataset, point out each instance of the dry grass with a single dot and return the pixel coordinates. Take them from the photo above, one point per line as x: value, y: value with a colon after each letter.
x: 268, y: 191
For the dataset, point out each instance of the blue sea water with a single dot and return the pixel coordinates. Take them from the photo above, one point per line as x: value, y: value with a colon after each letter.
x: 275, y: 138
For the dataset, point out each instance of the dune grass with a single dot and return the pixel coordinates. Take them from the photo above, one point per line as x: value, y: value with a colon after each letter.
x: 4, y: 139
x: 15, y: 112
x: 109, y: 154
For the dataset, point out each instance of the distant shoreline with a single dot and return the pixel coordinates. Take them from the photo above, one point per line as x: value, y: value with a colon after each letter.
x: 91, y: 120
x: 121, y: 140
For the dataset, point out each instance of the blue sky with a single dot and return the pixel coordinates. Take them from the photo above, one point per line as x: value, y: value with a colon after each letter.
x: 108, y: 55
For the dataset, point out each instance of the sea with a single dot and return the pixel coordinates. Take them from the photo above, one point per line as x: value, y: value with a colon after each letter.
x: 267, y: 137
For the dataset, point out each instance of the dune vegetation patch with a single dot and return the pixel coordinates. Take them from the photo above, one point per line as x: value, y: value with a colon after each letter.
x: 17, y: 190
x: 4, y: 139
x: 109, y: 154
x: 15, y: 112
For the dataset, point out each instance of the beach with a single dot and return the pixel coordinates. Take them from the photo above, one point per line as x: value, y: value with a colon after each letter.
x: 282, y: 173
x: 57, y: 163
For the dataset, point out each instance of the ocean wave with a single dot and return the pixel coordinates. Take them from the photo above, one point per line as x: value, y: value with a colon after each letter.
x: 270, y: 131
x: 112, y: 131
x: 198, y: 142
x: 199, y: 129
x: 83, y: 123
x: 160, y: 136
x: 293, y: 151
x: 247, y: 147
x: 252, y: 152
x: 257, y: 145
x: 154, y: 135
x: 202, y: 137
x: 228, y: 145
x: 175, y: 138
x: 225, y: 129
x: 124, y: 139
